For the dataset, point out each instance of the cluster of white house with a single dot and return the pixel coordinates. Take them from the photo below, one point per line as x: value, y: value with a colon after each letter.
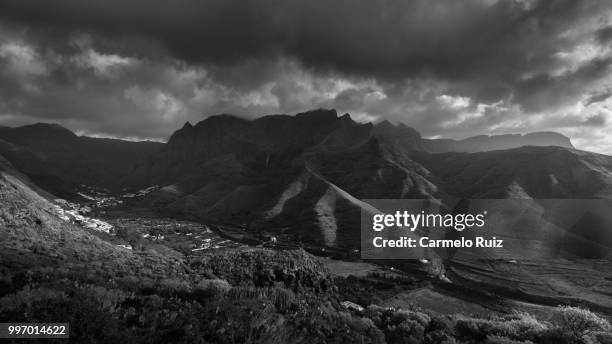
x: 75, y: 213
x: 103, y: 198
x: 140, y: 193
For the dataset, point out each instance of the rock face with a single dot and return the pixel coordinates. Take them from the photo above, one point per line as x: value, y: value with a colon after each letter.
x: 259, y: 144
x: 484, y: 143
x: 399, y: 136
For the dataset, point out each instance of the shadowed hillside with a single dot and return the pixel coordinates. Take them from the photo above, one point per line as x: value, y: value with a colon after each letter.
x: 60, y: 161
x: 536, y: 172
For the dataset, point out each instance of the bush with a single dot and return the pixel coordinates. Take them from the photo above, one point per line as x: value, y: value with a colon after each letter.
x: 22, y: 300
x: 282, y: 298
x: 173, y: 287
x: 212, y: 287
x: 90, y: 311
x: 399, y: 325
x: 440, y: 330
x: 295, y: 269
x: 516, y: 326
x: 556, y: 336
x: 603, y: 337
x: 107, y: 300
x: 322, y: 323
x: 578, y: 322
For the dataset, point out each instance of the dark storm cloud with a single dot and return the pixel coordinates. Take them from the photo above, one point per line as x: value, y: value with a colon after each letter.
x: 543, y: 91
x: 392, y: 39
x: 596, y: 98
x: 598, y: 120
x: 140, y: 68
x: 605, y: 35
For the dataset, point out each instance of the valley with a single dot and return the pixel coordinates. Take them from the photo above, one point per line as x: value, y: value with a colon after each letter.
x: 231, y: 214
x: 469, y: 282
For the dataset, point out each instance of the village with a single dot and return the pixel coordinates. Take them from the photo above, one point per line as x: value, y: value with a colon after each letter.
x: 75, y: 213
x: 95, y: 198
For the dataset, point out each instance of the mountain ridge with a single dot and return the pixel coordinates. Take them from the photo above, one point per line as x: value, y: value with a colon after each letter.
x: 481, y: 143
x: 399, y: 132
x: 58, y: 160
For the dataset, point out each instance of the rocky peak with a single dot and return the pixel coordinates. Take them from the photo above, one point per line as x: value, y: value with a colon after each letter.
x: 399, y: 136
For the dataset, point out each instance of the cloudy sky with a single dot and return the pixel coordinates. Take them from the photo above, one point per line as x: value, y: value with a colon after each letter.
x: 141, y: 68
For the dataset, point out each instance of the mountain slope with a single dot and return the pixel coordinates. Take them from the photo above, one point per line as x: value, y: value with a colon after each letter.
x: 536, y: 172
x: 34, y: 238
x: 60, y: 161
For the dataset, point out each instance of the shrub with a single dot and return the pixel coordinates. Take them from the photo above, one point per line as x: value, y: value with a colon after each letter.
x: 408, y: 331
x: 321, y: 323
x: 578, y: 321
x: 212, y: 287
x: 105, y: 299
x: 516, y: 326
x: 241, y: 292
x: 603, y: 337
x: 173, y: 287
x: 27, y: 296
x: 439, y: 330
x: 282, y: 298
x: 399, y: 326
x: 296, y: 269
x: 90, y: 311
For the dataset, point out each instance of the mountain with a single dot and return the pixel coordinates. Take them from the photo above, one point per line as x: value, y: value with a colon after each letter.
x: 229, y: 150
x: 483, y: 143
x: 525, y: 172
x: 306, y: 172
x: 261, y: 144
x: 59, y: 161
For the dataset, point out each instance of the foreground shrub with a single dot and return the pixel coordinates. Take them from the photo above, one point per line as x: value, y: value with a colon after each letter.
x: 516, y: 326
x: 603, y: 337
x: 88, y: 310
x: 212, y: 287
x: 294, y: 269
x: 399, y: 326
x: 321, y: 323
x: 578, y: 322
x: 172, y: 287
x: 440, y: 330
x: 282, y: 298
